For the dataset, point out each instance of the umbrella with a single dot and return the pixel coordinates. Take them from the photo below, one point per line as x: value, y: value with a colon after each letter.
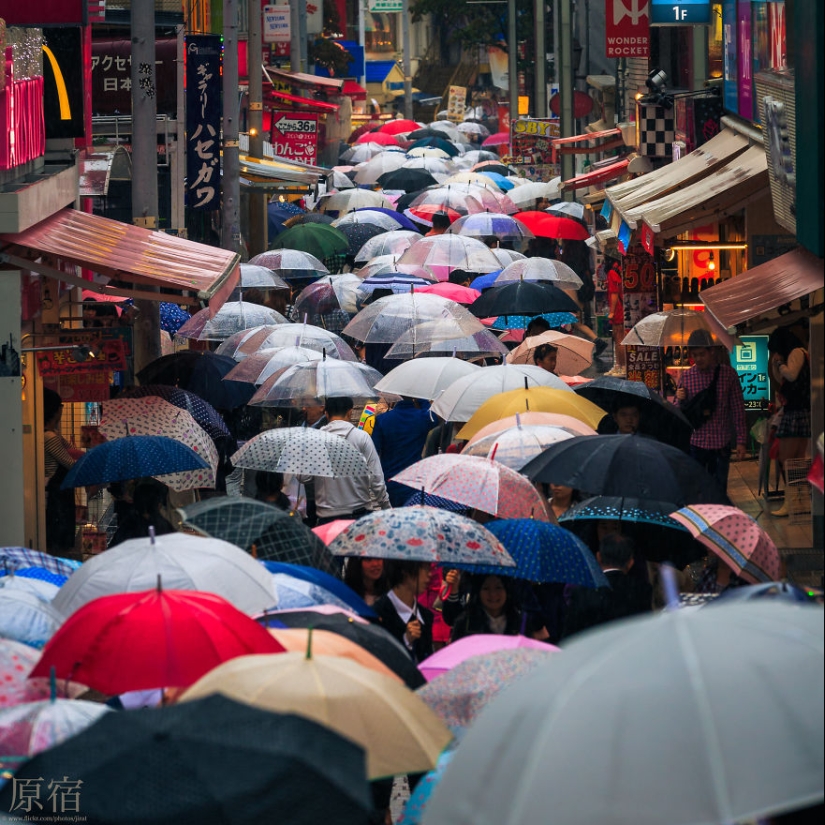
x: 393, y: 242
x: 519, y: 322
x: 626, y: 465
x: 448, y: 252
x: 329, y: 297
x: 425, y: 212
x: 540, y: 269
x: 419, y: 798
x: 369, y: 172
x: 609, y: 716
x: 505, y: 257
x: 32, y: 727
x: 137, y: 456
x: 363, y: 151
x: 484, y: 224
x: 201, y: 373
x: 350, y: 199
x: 16, y: 558
x: 473, y: 129
x: 435, y: 143
x: 399, y: 283
x: 372, y: 637
x: 453, y: 292
x: 254, y: 276
x: 476, y: 156
x: 534, y: 399
x: 543, y: 553
x: 370, y: 126
x: 183, y: 562
x: 297, y: 335
x: 736, y: 538
x: 434, y: 338
x: 489, y: 200
x: 398, y: 731
x: 658, y: 418
x: 448, y: 196
x: 496, y: 165
x: 205, y: 763
x: 295, y: 593
x: 250, y: 524
x: 232, y: 317
x: 314, y: 217
x: 424, y: 378
x: 358, y: 234
x: 256, y: 368
x: 379, y: 218
x: 406, y: 179
x: 477, y: 483
x: 401, y: 221
x: 42, y: 589
x: 528, y: 193
x: 574, y: 354
x: 460, y: 694
x: 518, y: 445
x: 567, y: 209
x: 16, y: 662
x: 497, y: 139
x: 26, y: 618
x: 420, y: 534
x: 522, y: 298
x: 172, y: 317
x: 502, y: 181
x: 532, y: 419
x: 668, y: 329
x: 328, y: 378
x: 544, y: 225
x: 428, y: 152
x: 154, y: 639
x: 437, y: 167
x: 473, y: 179
x: 379, y: 137
x: 327, y: 532
x: 399, y: 126
x: 460, y: 400
x: 424, y: 132
x: 291, y: 263
x: 317, y: 239
x: 301, y: 451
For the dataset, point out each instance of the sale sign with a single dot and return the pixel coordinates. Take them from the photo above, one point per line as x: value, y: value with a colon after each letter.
x: 627, y: 28
x: 294, y: 135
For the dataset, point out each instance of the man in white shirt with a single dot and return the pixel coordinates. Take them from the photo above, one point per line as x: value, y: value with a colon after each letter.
x: 352, y: 496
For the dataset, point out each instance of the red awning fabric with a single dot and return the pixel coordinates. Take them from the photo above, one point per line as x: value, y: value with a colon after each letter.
x: 304, y: 79
x: 310, y: 103
x: 765, y: 287
x: 597, y: 176
x: 353, y: 90
x: 134, y: 256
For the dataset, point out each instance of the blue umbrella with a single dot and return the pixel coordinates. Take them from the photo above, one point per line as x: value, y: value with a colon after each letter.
x: 38, y: 573
x: 172, y: 317
x: 402, y: 220
x: 555, y: 319
x: 12, y: 558
x: 136, y: 456
x: 505, y: 184
x: 543, y: 553
x: 417, y: 803
x: 293, y: 593
x: 438, y: 502
x: 777, y: 591
x: 485, y: 281
x: 323, y: 580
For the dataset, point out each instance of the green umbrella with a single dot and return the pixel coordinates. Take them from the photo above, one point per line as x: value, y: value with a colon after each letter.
x: 317, y: 239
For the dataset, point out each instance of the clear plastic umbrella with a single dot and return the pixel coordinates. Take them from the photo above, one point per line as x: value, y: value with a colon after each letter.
x: 478, y: 155
x: 363, y: 152
x: 435, y: 166
x: 472, y: 179
x: 518, y: 445
x: 299, y: 335
x: 258, y: 367
x: 255, y: 276
x: 468, y: 128
x: 390, y: 243
x: 507, y: 256
x: 571, y: 209
x: 368, y: 217
x: 487, y: 200
x: 232, y: 317
x: 26, y: 618
x: 528, y: 193
x: 330, y: 302
x: 540, y: 269
x: 453, y: 196
x: 669, y: 329
x: 350, y: 199
x: 388, y: 318
x: 484, y: 224
x: 424, y: 378
x: 399, y: 283
x: 327, y: 378
x: 230, y: 346
x: 290, y: 263
x: 419, y: 341
x: 369, y: 171
x: 443, y: 253
x: 449, y: 129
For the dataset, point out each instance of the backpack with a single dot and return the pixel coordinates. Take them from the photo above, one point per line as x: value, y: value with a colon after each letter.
x: 701, y: 407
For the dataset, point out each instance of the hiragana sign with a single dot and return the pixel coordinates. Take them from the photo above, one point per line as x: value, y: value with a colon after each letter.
x: 295, y: 135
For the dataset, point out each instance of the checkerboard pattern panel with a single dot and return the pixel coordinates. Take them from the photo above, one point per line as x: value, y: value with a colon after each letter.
x: 655, y: 130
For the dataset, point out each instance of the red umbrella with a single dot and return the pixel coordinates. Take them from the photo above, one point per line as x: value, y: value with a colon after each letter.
x: 363, y: 129
x: 154, y: 639
x: 497, y: 139
x: 381, y: 138
x: 399, y: 127
x: 453, y: 292
x: 551, y: 226
x: 424, y: 213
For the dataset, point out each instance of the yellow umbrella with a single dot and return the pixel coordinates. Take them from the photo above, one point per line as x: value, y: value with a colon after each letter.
x: 534, y: 399
x: 397, y: 730
x: 326, y: 643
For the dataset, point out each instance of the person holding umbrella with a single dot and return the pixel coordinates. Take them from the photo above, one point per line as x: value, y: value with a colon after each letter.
x: 441, y: 223
x: 60, y: 509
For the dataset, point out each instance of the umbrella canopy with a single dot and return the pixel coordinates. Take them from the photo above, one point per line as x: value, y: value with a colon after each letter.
x: 477, y: 483
x: 567, y: 209
x: 16, y: 663
x: 428, y: 152
x: 438, y: 168
x: 518, y: 445
x: 369, y: 171
x: 201, y: 373
x: 532, y: 419
x: 453, y: 292
x: 420, y: 534
x: 497, y: 139
x: 489, y: 200
x: 539, y: 269
x: 424, y: 378
x: 407, y: 179
x: 350, y: 199
x: 328, y: 378
x: 398, y: 731
x: 534, y: 399
x: 393, y: 242
x: 154, y: 639
x: 317, y: 239
x: 232, y: 317
x: 298, y: 335
x: 254, y: 276
x: 522, y: 298
x: 301, y: 451
x: 358, y: 234
x: 183, y: 562
x: 443, y: 253
x: 193, y: 763
x: 459, y: 401
x: 448, y: 196
x: 294, y: 593
x: 372, y: 214
x: 544, y: 553
x: 504, y: 257
x: 363, y: 151
x: 668, y: 329
x: 26, y: 618
x: 291, y: 263
x: 14, y: 559
x: 544, y: 225
x: 527, y: 194
x: 399, y: 127
x: 137, y: 456
x: 484, y: 224
x: 519, y: 322
x: 379, y: 137
x: 574, y: 354
x: 260, y: 365
x: 644, y: 677
x: 399, y: 283
x: 250, y: 524
x: 435, y: 143
x: 328, y: 298
x: 736, y: 538
x: 626, y: 465
x: 439, y: 338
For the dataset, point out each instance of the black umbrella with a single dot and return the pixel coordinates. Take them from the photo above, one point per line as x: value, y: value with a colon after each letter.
x: 659, y: 419
x: 370, y: 636
x: 201, y: 373
x: 206, y: 762
x: 359, y: 233
x: 631, y: 466
x: 410, y: 180
x: 421, y: 134
x: 405, y: 200
x: 522, y: 298
x: 437, y: 143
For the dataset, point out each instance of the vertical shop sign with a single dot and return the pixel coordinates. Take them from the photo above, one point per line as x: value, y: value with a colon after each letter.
x: 745, y: 58
x: 639, y: 285
x: 627, y: 28
x: 750, y: 360
x: 730, y: 67
x: 776, y: 23
x: 203, y: 121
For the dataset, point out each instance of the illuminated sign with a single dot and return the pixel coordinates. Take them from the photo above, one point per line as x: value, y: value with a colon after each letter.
x: 683, y: 13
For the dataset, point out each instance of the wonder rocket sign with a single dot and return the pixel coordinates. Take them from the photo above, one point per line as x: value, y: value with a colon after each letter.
x: 627, y: 25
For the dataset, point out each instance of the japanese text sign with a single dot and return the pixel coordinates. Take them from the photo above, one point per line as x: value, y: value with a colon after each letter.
x: 111, y: 355
x: 750, y: 360
x: 627, y: 28
x: 295, y: 135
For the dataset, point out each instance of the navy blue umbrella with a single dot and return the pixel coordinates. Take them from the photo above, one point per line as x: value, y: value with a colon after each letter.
x: 172, y: 317
x: 436, y: 143
x: 402, y: 220
x: 135, y: 456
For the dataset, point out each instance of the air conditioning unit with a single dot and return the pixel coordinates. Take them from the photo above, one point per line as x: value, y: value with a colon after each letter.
x: 776, y: 99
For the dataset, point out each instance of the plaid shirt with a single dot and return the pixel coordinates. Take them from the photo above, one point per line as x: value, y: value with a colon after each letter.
x: 727, y: 424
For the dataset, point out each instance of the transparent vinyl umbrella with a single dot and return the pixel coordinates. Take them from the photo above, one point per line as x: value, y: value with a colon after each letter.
x: 426, y: 340
x: 518, y: 445
x: 669, y: 329
x: 369, y: 171
x: 540, y: 269
x: 394, y: 242
x: 232, y: 317
x: 298, y: 335
x: 256, y: 368
x: 484, y: 224
x: 443, y: 253
x: 351, y: 199
x: 290, y: 263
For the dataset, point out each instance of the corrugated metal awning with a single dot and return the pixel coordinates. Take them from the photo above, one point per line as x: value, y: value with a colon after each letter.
x: 597, y: 176
x: 304, y: 79
x: 281, y: 170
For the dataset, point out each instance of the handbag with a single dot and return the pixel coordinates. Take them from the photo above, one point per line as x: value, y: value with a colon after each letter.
x: 699, y: 409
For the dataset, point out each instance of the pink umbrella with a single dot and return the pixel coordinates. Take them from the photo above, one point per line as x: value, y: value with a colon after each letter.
x: 453, y: 292
x: 327, y: 532
x: 479, y: 645
x: 534, y: 418
x: 497, y: 139
x: 476, y: 482
x: 735, y: 537
x: 381, y: 138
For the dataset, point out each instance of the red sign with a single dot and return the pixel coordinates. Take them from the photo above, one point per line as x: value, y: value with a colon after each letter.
x: 110, y: 356
x: 646, y: 238
x: 81, y: 387
x: 627, y: 27
x: 294, y: 135
x: 639, y: 285
x: 22, y: 133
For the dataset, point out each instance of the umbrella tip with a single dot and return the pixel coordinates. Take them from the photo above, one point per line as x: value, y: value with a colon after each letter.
x: 159, y: 585
x: 493, y: 451
x: 518, y: 420
x: 309, y: 644
x: 152, y: 535
x: 526, y: 386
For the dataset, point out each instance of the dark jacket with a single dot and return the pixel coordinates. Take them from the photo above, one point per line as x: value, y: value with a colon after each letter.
x: 626, y: 596
x: 391, y: 622
x: 474, y: 620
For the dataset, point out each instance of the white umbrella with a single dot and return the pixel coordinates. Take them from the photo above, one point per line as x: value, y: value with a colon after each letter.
x: 443, y: 253
x: 369, y: 171
x: 518, y: 445
x: 254, y: 276
x: 460, y: 400
x: 524, y: 196
x: 540, y: 269
x: 424, y: 377
x: 468, y: 128
x: 363, y: 151
x: 507, y: 256
x: 182, y: 562
x: 435, y: 166
x: 428, y: 152
x: 351, y: 199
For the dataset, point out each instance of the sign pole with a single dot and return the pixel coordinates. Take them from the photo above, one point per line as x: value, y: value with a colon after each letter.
x: 254, y: 55
x: 405, y: 39
x: 231, y: 180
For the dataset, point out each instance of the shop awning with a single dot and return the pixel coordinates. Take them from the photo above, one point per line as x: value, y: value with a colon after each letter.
x: 310, y: 103
x: 597, y: 176
x: 765, y: 287
x: 132, y: 256
x: 281, y: 170
x: 304, y: 79
x: 628, y: 196
x: 715, y: 196
x: 354, y: 90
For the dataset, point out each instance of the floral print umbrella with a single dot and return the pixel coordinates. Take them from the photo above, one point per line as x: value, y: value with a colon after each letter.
x: 16, y: 662
x: 421, y: 534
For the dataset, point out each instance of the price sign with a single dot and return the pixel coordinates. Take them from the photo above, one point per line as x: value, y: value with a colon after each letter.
x: 295, y: 135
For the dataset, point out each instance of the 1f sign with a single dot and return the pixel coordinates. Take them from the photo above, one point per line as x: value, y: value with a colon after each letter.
x: 627, y: 25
